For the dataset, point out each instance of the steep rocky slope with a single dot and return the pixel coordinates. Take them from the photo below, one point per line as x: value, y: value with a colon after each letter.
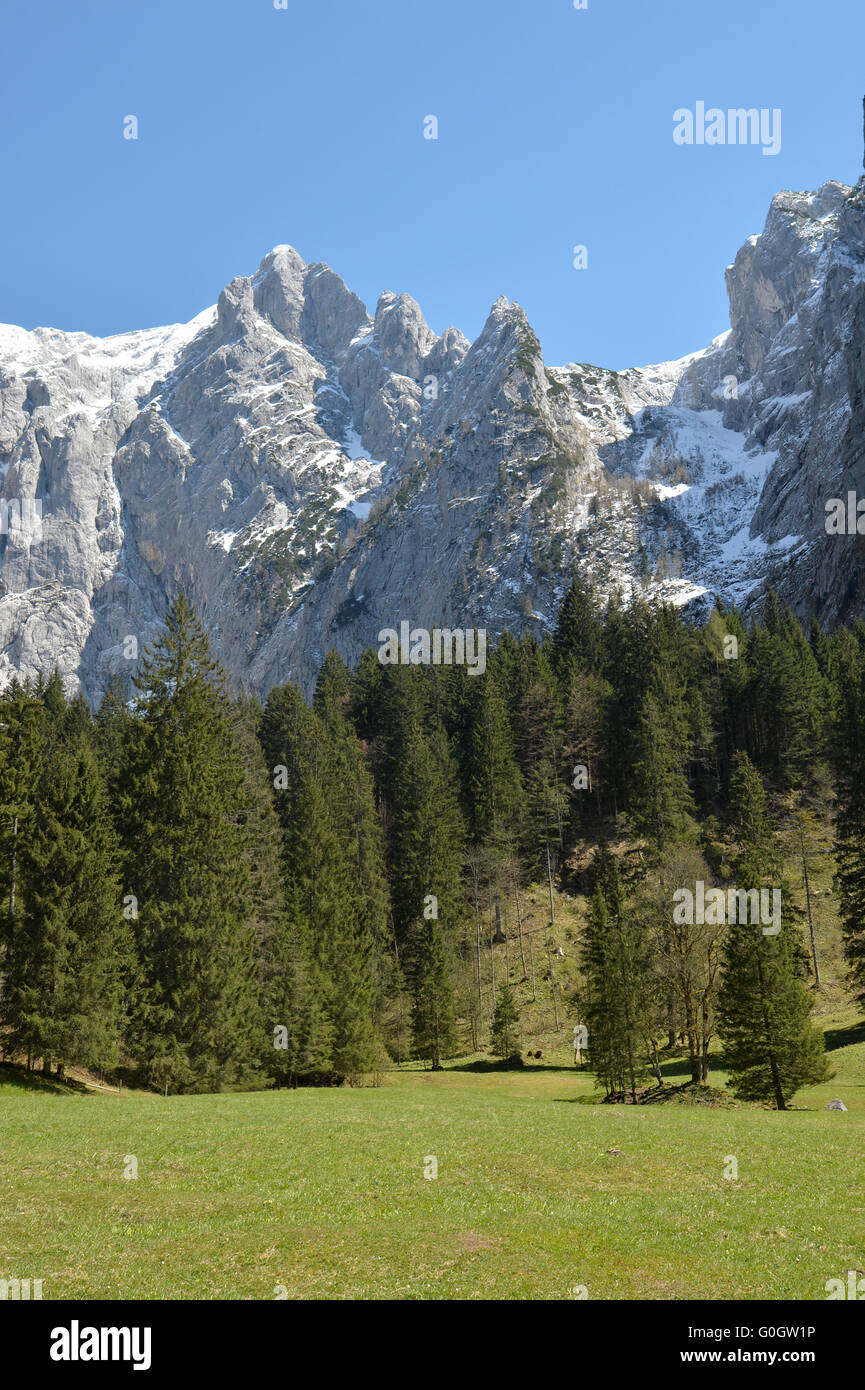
x: 310, y: 474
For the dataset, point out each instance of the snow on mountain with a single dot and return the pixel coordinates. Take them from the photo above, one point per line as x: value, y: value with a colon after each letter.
x: 309, y: 473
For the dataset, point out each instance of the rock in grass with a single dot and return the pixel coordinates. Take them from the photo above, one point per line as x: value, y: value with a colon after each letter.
x: 835, y: 1105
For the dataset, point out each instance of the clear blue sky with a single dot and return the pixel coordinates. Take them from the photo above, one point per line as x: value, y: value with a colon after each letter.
x: 260, y: 126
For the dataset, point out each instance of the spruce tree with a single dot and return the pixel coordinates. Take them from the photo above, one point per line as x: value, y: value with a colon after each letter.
x: 182, y: 810
x: 297, y: 993
x: 848, y: 744
x: 504, y: 1034
x: 771, y: 1047
x: 262, y: 852
x: 578, y: 640
x: 350, y: 792
x: 321, y: 898
x: 426, y: 837
x: 660, y: 800
x: 432, y: 1021
x: 493, y: 775
x: 23, y: 736
x: 620, y: 1008
x: 70, y: 948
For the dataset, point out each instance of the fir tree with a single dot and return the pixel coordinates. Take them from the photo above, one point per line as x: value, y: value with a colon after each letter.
x: 322, y: 904
x: 432, y: 1022
x: 70, y: 948
x: 848, y: 740
x: 504, y: 1034
x: 426, y: 837
x: 182, y: 804
x: 493, y: 776
x: 620, y: 1008
x: 23, y: 732
x: 771, y: 1047
x: 350, y: 793
x: 578, y: 639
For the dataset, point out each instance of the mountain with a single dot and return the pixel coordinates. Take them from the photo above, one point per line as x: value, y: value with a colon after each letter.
x: 309, y: 474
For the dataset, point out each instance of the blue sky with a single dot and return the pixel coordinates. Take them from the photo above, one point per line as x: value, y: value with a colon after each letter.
x: 305, y: 125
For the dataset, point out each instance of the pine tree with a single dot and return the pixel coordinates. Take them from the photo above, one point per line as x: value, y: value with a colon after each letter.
x: 23, y: 734
x: 771, y: 1047
x: 784, y: 695
x: 182, y: 806
x: 578, y: 639
x: 628, y: 661
x: 660, y: 799
x: 620, y: 1008
x: 113, y: 726
x: 504, y: 1034
x: 70, y: 948
x: 493, y: 776
x: 350, y: 792
x: 296, y: 996
x: 322, y: 906
x: 259, y: 825
x: 426, y: 837
x: 432, y: 1022
x: 848, y: 740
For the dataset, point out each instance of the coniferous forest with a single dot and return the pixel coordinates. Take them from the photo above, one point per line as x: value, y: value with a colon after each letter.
x: 201, y: 892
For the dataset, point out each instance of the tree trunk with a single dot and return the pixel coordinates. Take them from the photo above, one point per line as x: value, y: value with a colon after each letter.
x: 773, y: 1061
x: 553, y: 989
x: 808, y: 901
x: 14, y: 864
x: 478, y: 930
x: 704, y: 1040
x: 691, y: 1031
x: 549, y: 869
x: 520, y: 928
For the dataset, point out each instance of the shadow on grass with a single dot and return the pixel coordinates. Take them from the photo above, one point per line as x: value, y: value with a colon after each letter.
x: 527, y: 1069
x: 23, y: 1080
x: 844, y: 1037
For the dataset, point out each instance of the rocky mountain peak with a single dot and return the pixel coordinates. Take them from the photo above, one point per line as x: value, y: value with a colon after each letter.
x: 404, y: 338
x: 309, y: 474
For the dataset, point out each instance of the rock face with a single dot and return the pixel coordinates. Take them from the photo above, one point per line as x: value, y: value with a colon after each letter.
x: 310, y: 475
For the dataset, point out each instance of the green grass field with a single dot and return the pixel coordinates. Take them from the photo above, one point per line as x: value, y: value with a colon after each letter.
x: 321, y: 1193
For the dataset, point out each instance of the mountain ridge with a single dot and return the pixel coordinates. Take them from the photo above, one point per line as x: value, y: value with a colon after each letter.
x: 310, y: 473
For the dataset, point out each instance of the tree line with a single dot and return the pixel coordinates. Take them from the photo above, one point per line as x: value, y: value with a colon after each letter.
x: 224, y: 893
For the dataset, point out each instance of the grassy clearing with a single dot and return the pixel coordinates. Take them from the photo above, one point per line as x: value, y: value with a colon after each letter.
x: 323, y: 1192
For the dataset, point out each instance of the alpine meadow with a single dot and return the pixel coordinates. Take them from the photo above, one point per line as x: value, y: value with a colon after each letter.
x: 432, y: 763
x: 372, y: 927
